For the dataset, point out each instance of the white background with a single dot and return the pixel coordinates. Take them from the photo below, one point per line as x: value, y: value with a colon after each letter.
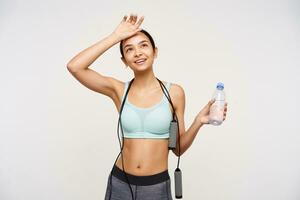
x: 59, y: 139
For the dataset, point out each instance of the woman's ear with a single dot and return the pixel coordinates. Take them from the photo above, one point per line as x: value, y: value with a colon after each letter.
x: 155, y: 52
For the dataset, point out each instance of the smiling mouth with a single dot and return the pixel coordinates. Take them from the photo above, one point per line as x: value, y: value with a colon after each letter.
x: 140, y: 62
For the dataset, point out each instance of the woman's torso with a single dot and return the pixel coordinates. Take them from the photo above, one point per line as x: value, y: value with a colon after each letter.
x: 143, y: 156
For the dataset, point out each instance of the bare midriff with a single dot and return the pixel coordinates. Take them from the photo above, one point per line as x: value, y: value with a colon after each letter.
x: 143, y: 157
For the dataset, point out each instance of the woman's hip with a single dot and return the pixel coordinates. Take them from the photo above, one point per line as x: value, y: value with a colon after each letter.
x: 140, y: 180
x: 157, y: 186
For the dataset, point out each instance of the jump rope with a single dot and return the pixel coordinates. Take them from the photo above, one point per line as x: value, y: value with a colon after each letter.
x: 173, y: 135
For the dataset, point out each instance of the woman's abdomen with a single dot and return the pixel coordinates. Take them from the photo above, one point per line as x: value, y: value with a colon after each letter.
x: 144, y: 157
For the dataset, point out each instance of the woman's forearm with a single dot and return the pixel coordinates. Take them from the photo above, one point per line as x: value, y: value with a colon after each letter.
x: 187, y: 138
x: 86, y: 57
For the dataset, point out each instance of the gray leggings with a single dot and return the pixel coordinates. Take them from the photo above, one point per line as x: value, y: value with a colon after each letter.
x: 153, y: 187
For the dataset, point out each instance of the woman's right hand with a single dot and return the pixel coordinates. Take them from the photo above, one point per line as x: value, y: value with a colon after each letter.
x: 128, y: 27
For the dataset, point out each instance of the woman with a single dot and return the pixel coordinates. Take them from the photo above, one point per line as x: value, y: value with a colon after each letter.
x: 146, y: 113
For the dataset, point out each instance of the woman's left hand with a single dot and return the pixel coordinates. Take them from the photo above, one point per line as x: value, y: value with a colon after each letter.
x: 203, y: 115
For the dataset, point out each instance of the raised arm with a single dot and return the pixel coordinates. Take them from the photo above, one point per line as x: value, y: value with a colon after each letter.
x: 78, y: 66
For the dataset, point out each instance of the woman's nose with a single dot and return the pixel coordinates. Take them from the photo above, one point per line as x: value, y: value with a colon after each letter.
x: 137, y: 52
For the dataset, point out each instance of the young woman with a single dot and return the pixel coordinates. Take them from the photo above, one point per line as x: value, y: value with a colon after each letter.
x: 146, y: 113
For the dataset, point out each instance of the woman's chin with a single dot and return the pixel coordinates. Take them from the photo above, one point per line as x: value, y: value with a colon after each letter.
x: 141, y: 67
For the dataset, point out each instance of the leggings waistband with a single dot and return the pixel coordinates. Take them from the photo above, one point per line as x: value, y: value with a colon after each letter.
x: 140, y: 180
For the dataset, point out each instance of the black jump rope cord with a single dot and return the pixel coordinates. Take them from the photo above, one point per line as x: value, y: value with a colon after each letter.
x: 121, y: 144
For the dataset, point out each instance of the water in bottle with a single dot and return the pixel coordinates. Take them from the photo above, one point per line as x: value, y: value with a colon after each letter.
x: 217, y: 108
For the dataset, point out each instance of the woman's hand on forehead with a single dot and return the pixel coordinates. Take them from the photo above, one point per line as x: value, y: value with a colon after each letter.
x: 128, y: 26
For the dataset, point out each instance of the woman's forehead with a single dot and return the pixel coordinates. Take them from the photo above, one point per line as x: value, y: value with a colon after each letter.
x: 135, y: 39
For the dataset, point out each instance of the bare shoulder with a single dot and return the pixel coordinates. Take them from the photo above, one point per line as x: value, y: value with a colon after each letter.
x: 177, y: 94
x: 176, y: 91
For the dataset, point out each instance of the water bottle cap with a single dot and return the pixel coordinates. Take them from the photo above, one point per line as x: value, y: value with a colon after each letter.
x: 220, y: 86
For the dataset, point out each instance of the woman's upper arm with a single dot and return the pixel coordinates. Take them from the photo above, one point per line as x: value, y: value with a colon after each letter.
x: 179, y: 101
x: 93, y: 80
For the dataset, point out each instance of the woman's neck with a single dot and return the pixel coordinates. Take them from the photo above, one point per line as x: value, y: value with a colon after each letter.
x: 145, y: 81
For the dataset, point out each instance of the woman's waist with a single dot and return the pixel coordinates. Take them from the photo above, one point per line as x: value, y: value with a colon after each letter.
x: 144, y: 156
x: 129, y: 177
x: 143, y: 165
x: 142, y: 169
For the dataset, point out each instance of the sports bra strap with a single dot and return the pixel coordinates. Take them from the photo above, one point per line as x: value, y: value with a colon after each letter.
x: 168, y: 86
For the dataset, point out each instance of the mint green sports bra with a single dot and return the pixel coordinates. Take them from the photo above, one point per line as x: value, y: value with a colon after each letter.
x: 151, y: 122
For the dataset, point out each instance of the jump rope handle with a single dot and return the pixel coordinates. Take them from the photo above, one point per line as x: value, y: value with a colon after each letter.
x: 173, y: 134
x: 178, y: 183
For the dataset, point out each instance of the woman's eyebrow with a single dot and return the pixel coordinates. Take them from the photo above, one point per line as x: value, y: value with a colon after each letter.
x: 127, y: 45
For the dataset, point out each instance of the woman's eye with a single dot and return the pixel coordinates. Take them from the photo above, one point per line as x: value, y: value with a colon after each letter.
x: 129, y: 49
x: 144, y: 45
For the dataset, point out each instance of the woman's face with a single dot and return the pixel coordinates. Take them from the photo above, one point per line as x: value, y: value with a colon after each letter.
x: 138, y: 52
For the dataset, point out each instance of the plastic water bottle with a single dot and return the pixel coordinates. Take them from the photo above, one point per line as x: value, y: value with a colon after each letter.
x: 217, y: 108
